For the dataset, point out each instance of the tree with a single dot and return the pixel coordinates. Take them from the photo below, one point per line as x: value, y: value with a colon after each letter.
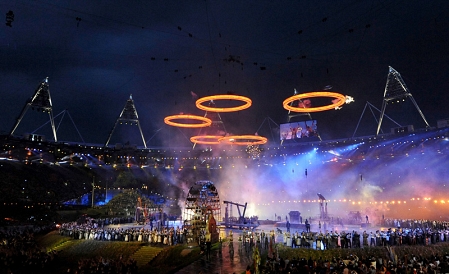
x: 125, y: 180
x: 125, y: 203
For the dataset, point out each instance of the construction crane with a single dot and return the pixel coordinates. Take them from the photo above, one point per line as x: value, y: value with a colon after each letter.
x: 240, y: 222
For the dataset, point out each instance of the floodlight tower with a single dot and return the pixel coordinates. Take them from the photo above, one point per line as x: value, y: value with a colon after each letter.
x: 395, y: 89
x: 41, y: 102
x: 128, y: 115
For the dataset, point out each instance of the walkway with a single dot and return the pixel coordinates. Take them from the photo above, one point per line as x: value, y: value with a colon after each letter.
x: 226, y: 261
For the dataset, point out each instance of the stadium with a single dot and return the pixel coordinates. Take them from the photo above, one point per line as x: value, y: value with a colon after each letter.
x: 398, y: 171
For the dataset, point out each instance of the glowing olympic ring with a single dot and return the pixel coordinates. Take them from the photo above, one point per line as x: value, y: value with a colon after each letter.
x: 246, y: 100
x: 341, y: 100
x: 205, y: 121
x: 203, y: 139
x: 233, y: 140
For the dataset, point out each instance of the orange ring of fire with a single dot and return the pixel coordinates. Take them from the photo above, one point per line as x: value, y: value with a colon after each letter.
x: 341, y: 100
x: 258, y: 140
x: 246, y: 100
x: 205, y: 121
x: 202, y: 139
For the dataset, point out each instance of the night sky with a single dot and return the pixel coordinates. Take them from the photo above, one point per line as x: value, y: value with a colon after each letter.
x: 97, y: 53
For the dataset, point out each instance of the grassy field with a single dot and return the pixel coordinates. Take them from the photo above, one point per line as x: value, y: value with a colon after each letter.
x: 168, y: 260
x: 52, y: 240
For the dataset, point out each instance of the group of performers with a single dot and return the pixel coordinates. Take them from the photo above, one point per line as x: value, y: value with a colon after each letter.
x: 413, y: 233
x: 321, y: 240
x: 383, y: 237
x: 161, y: 236
x: 250, y: 238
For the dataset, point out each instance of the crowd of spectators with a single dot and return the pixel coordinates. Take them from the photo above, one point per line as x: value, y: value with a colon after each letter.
x: 102, y: 265
x: 431, y: 264
x: 20, y: 253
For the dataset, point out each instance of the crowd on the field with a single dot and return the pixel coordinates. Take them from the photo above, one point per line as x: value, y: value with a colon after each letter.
x: 400, y: 232
x: 93, y: 229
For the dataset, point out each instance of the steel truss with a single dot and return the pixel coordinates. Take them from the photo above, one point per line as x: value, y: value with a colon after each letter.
x: 396, y: 89
x: 127, y: 116
x: 41, y: 102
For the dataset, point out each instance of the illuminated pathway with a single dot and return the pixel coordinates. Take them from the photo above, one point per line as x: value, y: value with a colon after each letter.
x: 226, y: 261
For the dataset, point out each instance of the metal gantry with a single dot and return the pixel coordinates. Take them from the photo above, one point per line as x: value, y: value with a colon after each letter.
x: 41, y: 102
x: 127, y: 116
x: 395, y: 89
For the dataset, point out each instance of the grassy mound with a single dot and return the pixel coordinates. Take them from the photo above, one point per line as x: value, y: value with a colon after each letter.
x: 71, y: 251
x: 52, y: 240
x: 82, y: 249
x: 172, y: 259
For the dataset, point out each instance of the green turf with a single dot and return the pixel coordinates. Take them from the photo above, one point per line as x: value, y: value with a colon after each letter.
x: 166, y: 259
x: 51, y: 240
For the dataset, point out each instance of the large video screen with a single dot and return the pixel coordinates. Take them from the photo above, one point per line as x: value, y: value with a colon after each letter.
x: 298, y: 130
